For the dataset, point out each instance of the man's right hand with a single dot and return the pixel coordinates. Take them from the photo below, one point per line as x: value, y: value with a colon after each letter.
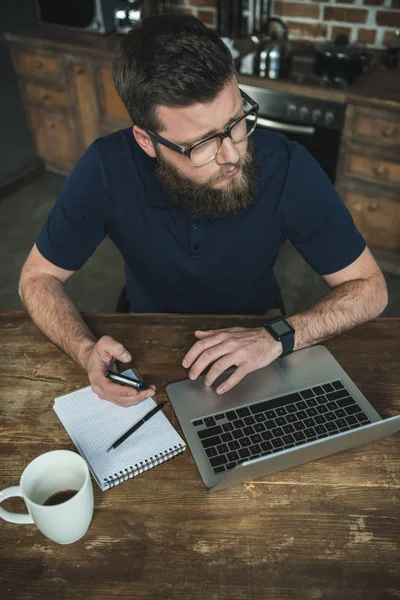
x: 100, y: 358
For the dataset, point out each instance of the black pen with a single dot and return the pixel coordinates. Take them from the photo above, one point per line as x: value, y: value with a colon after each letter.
x: 124, y: 380
x: 135, y: 427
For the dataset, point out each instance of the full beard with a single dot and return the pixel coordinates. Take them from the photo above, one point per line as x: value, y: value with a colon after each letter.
x: 201, y: 200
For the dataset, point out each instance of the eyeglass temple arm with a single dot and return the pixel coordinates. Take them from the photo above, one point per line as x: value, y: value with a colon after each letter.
x: 167, y: 143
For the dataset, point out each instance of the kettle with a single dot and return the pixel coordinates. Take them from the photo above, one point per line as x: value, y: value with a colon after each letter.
x: 273, y: 58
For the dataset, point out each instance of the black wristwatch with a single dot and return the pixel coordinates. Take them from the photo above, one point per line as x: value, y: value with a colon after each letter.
x: 283, y: 332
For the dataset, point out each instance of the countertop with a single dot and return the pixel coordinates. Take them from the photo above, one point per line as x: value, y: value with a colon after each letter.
x: 380, y: 87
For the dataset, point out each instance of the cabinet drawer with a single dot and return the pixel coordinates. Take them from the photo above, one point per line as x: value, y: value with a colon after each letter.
x: 112, y: 103
x: 378, y: 219
x: 378, y: 129
x: 379, y: 170
x: 45, y: 97
x: 54, y: 137
x: 34, y: 64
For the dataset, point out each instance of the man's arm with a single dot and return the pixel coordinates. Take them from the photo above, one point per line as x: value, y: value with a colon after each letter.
x: 42, y: 291
x: 358, y: 294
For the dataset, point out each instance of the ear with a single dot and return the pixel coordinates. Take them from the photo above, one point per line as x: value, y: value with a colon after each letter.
x: 144, y: 141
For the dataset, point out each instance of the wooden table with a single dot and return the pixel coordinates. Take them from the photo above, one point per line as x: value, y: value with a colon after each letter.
x: 325, y: 530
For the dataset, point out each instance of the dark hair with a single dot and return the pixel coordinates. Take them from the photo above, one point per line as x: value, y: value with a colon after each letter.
x: 170, y: 59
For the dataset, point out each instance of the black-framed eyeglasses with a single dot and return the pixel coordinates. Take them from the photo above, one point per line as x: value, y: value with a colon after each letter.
x: 206, y: 150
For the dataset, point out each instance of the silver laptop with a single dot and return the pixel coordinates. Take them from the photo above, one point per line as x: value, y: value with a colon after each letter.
x: 299, y: 408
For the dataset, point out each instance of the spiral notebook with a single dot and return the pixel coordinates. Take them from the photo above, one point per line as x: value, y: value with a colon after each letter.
x: 94, y: 424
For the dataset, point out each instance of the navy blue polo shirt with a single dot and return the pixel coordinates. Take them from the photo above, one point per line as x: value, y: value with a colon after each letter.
x: 178, y: 264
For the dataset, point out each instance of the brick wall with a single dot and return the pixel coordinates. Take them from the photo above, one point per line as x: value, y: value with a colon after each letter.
x: 372, y: 22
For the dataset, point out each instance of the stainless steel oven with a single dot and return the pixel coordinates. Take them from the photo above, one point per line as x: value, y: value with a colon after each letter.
x: 315, y: 124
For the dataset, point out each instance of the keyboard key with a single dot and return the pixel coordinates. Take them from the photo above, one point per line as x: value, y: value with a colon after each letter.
x: 280, y: 421
x: 277, y: 443
x: 312, y: 412
x: 211, y: 452
x: 291, y: 408
x: 270, y: 424
x: 343, y: 402
x: 259, y: 427
x: 340, y: 423
x: 213, y: 441
x: 328, y: 388
x: 222, y: 448
x: 312, y: 402
x: 291, y: 418
x: 281, y: 411
x: 332, y: 405
x: 288, y: 439
x: 309, y: 433
x: 260, y: 417
x: 249, y: 420
x: 230, y: 465
x: 267, y: 435
x: 331, y: 427
x: 270, y: 414
x: 299, y: 436
x: 239, y: 423
x: 219, y: 469
x: 299, y: 425
x: 288, y: 428
x: 217, y: 461
x: 320, y: 429
x: 256, y: 449
x: 320, y: 419
x: 244, y: 452
x: 362, y: 417
x: 226, y: 437
x: 256, y: 438
x: 219, y: 417
x: 277, y: 432
x: 338, y: 385
x: 248, y: 430
x: 231, y: 456
x: 237, y: 434
x: 306, y: 394
x: 340, y: 413
x: 322, y: 409
x: 318, y: 390
x: 227, y: 427
x: 309, y: 422
x: 231, y: 415
x: 209, y: 421
x: 234, y: 445
x: 198, y: 422
x: 337, y: 395
x: 244, y: 442
x: 266, y: 446
x: 301, y: 415
x: 275, y: 403
x: 205, y: 433
x: 243, y: 412
x: 351, y: 420
x: 353, y: 409
x: 330, y: 416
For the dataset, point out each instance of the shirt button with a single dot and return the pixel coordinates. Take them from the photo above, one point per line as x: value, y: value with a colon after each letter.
x: 195, y: 226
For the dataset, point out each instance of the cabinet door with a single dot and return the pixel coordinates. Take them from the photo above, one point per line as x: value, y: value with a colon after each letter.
x: 113, y: 112
x: 54, y: 138
x: 377, y: 218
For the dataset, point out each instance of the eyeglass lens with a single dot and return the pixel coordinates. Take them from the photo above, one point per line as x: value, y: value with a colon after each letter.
x: 206, y: 151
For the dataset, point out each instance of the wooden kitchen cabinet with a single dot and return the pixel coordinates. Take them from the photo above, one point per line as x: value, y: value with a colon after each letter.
x: 368, y: 178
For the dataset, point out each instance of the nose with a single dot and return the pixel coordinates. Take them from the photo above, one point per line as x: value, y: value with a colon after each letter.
x: 228, y: 153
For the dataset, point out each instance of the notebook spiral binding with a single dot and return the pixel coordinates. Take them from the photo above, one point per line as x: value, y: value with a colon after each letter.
x: 137, y: 468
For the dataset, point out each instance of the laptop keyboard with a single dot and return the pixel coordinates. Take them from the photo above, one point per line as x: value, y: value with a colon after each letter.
x: 249, y: 432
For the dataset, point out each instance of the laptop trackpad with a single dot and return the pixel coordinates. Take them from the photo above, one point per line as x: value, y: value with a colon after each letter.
x: 258, y: 385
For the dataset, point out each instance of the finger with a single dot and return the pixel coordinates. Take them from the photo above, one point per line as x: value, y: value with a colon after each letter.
x: 120, y: 394
x: 227, y: 361
x: 233, y: 380
x: 209, y: 356
x: 199, y: 347
x: 108, y: 348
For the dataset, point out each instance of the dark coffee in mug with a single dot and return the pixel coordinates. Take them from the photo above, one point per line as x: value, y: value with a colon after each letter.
x: 60, y: 497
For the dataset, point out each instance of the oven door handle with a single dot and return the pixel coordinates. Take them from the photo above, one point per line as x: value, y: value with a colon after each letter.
x: 285, y: 127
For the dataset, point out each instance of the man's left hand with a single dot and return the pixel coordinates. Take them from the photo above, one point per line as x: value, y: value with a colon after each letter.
x: 246, y: 349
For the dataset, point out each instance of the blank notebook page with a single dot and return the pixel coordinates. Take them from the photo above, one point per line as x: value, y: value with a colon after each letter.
x: 94, y: 425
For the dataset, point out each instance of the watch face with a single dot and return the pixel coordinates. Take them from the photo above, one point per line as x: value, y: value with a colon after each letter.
x: 281, y: 328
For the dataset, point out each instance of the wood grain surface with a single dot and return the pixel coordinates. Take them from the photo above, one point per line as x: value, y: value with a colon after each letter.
x: 325, y: 530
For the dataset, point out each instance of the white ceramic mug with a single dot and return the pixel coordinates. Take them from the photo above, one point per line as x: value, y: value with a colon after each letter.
x: 43, y: 478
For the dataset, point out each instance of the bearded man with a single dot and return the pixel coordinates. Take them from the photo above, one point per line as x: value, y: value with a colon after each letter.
x: 199, y: 203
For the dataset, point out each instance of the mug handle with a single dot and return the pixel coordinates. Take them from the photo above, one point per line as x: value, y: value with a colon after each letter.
x: 21, y: 519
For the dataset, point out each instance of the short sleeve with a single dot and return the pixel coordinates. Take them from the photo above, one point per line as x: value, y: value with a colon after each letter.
x: 77, y: 222
x: 317, y: 222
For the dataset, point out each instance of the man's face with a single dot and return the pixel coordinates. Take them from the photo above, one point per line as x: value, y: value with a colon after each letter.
x: 224, y: 185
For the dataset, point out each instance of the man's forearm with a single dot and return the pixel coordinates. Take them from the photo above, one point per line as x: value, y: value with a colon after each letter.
x: 53, y: 311
x: 348, y: 305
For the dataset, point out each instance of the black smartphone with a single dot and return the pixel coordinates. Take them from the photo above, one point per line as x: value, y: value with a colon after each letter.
x: 124, y: 380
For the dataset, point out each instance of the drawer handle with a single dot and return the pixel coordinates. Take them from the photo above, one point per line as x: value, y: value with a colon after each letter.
x: 373, y: 206
x: 38, y: 64
x: 79, y: 70
x: 46, y: 97
x: 380, y: 171
x: 390, y: 132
